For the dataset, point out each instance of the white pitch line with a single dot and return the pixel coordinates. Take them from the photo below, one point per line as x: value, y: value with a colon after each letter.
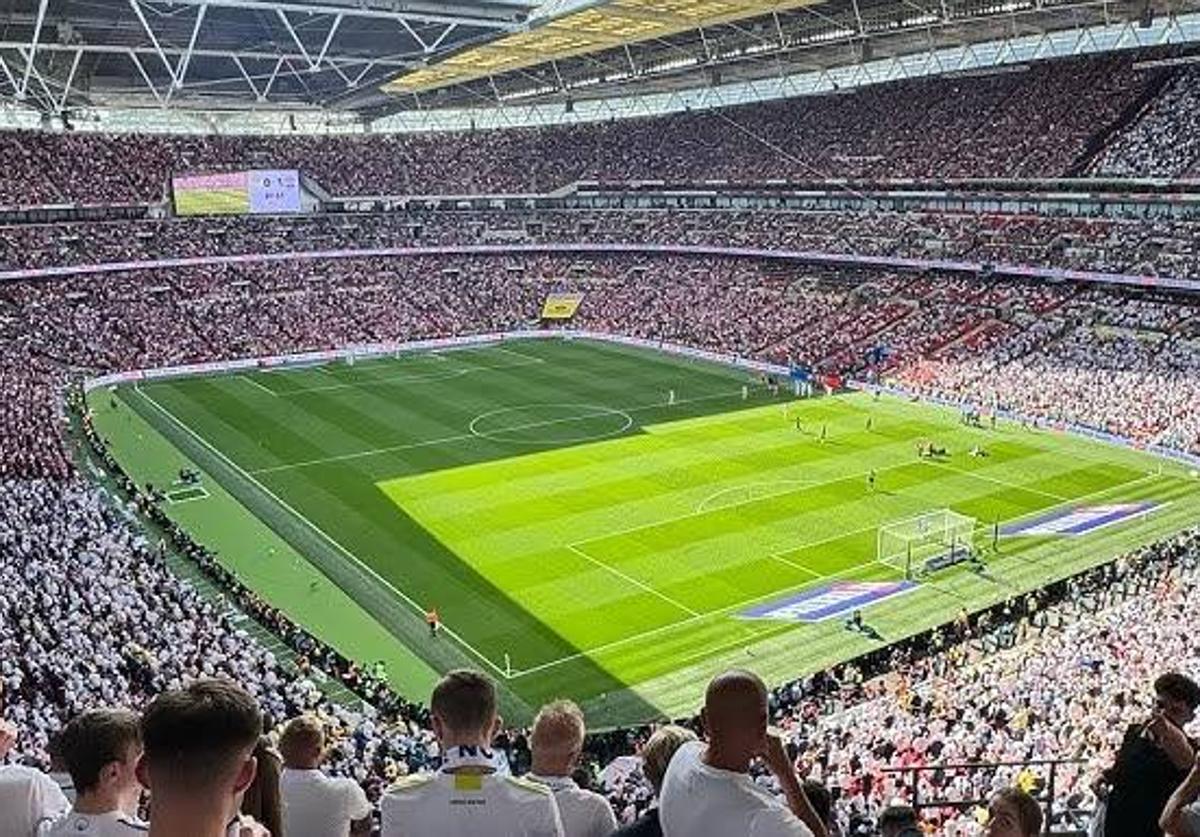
x: 608, y: 646
x: 997, y: 481
x: 255, y: 383
x: 431, y: 377
x: 777, y: 557
x: 631, y: 580
x: 282, y: 504
x: 462, y: 437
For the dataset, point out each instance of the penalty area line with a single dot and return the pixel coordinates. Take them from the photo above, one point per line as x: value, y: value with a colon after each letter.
x: 632, y: 580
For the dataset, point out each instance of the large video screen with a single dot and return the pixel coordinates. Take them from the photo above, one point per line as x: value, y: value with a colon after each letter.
x: 259, y: 192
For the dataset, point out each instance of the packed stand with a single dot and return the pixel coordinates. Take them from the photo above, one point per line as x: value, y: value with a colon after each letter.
x: 1150, y: 247
x: 962, y: 127
x: 1163, y: 142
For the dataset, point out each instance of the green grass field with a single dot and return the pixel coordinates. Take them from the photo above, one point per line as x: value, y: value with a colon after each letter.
x: 581, y: 537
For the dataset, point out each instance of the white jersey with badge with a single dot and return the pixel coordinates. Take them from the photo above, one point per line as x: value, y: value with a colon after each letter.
x: 469, y: 805
x: 112, y: 824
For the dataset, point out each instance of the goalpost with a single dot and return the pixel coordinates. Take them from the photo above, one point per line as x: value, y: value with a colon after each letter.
x: 926, y: 542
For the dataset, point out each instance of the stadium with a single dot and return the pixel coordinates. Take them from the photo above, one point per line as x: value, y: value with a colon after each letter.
x: 605, y: 362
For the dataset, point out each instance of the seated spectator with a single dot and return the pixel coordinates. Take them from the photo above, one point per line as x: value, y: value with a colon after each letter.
x: 467, y: 797
x: 199, y: 758
x: 101, y: 749
x: 29, y: 799
x: 314, y: 803
x: 557, y: 744
x: 708, y: 790
x: 1013, y: 813
x: 656, y: 755
x: 1153, y: 760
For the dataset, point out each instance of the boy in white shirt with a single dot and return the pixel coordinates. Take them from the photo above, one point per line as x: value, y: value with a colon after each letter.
x: 557, y: 744
x: 316, y: 805
x: 101, y: 750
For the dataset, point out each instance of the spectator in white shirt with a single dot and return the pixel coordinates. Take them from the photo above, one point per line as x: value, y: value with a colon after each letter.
x: 468, y: 797
x: 199, y: 758
x: 29, y: 799
x: 316, y: 805
x: 708, y: 792
x: 101, y: 751
x: 557, y: 743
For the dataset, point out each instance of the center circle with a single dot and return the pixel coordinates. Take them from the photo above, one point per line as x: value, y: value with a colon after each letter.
x: 551, y: 424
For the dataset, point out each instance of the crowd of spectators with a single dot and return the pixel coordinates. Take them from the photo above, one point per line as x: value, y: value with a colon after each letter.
x: 1163, y: 142
x: 1131, y: 370
x: 1034, y: 121
x: 1149, y: 247
x: 93, y: 617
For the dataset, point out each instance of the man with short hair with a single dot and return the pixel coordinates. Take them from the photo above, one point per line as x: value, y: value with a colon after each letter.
x: 101, y: 750
x: 708, y: 792
x: 557, y: 743
x: 316, y: 805
x: 29, y: 799
x: 467, y: 797
x: 199, y: 757
x: 656, y: 755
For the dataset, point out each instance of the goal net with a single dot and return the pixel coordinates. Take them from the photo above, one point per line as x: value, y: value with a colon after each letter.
x: 927, y: 542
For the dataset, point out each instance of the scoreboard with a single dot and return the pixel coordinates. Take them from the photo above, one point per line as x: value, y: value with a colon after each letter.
x: 258, y: 192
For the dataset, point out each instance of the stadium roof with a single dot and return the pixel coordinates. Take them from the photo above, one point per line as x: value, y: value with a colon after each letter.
x: 363, y: 59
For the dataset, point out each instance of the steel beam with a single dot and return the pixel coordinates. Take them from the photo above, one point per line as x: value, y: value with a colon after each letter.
x: 33, y: 47
x: 421, y: 12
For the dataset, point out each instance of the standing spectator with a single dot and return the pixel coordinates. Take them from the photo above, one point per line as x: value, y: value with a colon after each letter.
x: 656, y: 755
x: 199, y: 757
x: 101, y: 749
x: 467, y: 797
x: 29, y: 799
x: 1013, y: 813
x: 316, y: 805
x: 263, y: 800
x: 708, y: 792
x: 557, y: 743
x: 1154, y: 758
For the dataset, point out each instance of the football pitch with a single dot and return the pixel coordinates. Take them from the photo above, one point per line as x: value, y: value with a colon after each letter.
x: 582, y: 536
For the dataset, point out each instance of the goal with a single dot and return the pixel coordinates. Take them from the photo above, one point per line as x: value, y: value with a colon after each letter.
x: 927, y: 542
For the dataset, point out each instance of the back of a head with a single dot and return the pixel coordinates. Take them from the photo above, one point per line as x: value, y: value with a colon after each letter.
x: 735, y: 710
x: 302, y: 742
x: 1178, y: 687
x: 557, y: 735
x: 199, y: 736
x: 1013, y: 805
x: 657, y: 752
x: 93, y: 741
x: 464, y: 702
x: 899, y: 821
